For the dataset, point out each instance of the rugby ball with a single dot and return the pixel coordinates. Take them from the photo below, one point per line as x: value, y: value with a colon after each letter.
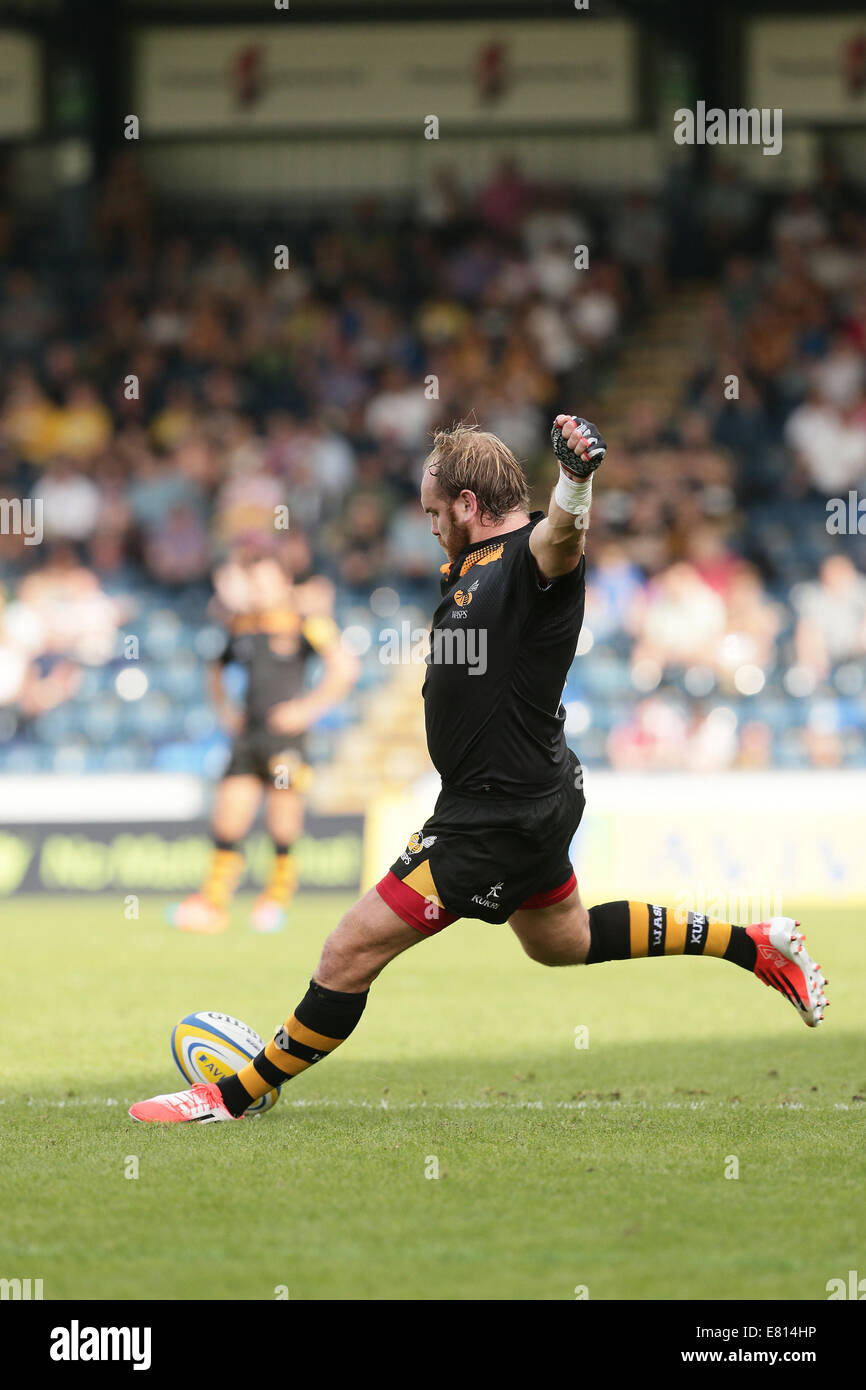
x: 210, y: 1046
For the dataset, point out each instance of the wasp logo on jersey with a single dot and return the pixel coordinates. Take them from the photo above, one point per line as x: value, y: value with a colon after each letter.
x: 463, y: 597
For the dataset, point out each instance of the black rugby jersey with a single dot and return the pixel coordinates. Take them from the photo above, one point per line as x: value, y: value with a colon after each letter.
x: 275, y: 648
x: 500, y: 648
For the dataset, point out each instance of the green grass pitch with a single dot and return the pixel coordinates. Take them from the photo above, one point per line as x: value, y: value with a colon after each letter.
x: 559, y: 1167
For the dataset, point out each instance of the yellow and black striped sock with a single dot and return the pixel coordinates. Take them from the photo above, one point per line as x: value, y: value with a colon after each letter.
x: 224, y: 874
x: 284, y: 875
x: 626, y: 930
x: 323, y: 1019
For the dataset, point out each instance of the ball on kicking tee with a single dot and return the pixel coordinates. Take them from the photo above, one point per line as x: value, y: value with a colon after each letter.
x: 210, y: 1046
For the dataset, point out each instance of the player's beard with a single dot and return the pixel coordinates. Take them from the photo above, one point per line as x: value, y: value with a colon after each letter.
x: 458, y: 537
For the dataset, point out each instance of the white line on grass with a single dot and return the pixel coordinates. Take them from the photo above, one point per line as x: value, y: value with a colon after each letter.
x: 321, y: 1102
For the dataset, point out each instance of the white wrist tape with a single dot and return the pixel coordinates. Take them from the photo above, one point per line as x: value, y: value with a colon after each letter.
x: 575, y: 497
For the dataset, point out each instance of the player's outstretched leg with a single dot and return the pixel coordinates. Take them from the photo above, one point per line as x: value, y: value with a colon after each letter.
x: 367, y: 938
x: 565, y: 933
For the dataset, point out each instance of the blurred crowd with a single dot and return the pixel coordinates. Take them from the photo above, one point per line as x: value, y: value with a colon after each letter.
x: 167, y: 395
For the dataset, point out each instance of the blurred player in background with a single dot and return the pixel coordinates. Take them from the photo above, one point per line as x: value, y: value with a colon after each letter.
x: 274, y: 628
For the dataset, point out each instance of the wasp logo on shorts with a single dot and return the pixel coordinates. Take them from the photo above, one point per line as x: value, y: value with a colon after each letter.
x: 416, y: 844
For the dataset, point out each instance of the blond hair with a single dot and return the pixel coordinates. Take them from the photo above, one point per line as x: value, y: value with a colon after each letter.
x: 468, y: 459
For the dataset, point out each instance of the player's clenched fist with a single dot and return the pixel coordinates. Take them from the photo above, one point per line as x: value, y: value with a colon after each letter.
x: 578, y: 445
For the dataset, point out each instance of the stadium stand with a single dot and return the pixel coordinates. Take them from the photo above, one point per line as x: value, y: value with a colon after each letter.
x: 713, y: 592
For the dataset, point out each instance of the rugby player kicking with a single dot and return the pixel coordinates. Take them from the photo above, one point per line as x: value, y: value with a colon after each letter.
x: 497, y: 844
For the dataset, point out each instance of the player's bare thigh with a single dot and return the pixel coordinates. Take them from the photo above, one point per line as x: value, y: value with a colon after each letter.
x: 365, y: 940
x: 236, y: 802
x: 284, y: 813
x: 554, y: 935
